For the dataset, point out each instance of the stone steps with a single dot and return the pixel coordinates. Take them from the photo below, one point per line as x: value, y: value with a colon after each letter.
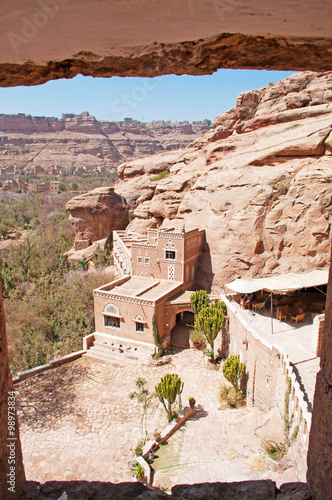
x: 180, y: 338
x: 109, y: 354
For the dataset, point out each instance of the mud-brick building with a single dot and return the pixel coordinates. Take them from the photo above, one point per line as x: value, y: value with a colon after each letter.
x: 162, y: 254
x: 158, y: 271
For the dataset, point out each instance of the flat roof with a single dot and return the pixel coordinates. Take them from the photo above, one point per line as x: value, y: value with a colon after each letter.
x: 141, y: 287
x: 181, y: 298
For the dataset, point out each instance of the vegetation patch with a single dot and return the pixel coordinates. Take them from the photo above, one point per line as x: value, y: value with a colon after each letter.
x: 161, y: 175
x: 229, y: 397
x: 48, y: 301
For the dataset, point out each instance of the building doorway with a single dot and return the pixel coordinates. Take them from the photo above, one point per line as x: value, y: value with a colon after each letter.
x: 180, y: 332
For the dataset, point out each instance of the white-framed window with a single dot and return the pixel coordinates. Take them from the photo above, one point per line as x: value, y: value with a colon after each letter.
x: 147, y: 261
x: 170, y: 254
x: 171, y: 272
x: 139, y: 327
x: 139, y: 261
x: 139, y: 324
x: 112, y: 321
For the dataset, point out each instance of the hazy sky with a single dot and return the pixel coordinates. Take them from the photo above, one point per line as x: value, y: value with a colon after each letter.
x: 174, y: 98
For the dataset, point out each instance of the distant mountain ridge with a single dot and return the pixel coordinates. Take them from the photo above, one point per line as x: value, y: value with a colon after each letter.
x: 85, y: 142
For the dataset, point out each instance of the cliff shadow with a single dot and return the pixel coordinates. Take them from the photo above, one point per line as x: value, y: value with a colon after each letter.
x: 43, y: 399
x: 204, y: 273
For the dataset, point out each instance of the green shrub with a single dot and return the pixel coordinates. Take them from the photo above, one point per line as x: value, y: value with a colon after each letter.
x: 139, y: 471
x: 229, y: 397
x: 161, y: 175
x: 102, y: 258
x: 156, y: 338
x: 197, y: 337
x: 274, y: 450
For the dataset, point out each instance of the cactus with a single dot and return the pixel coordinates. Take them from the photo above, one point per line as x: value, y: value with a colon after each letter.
x: 209, y: 322
x: 199, y: 300
x: 156, y: 338
x: 233, y: 370
x: 169, y: 387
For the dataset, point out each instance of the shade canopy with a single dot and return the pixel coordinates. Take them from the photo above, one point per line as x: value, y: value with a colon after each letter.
x: 281, y: 284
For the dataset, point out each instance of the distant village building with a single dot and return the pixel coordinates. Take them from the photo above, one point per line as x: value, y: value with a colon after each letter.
x: 54, y: 187
x: 158, y: 273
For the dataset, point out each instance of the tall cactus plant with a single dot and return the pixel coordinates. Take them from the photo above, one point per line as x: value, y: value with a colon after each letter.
x: 233, y: 370
x: 169, y: 387
x: 199, y: 300
x: 209, y: 322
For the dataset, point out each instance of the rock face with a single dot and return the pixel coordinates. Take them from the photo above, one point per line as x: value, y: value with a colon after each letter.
x: 184, y: 37
x: 259, y: 183
x: 79, y: 143
x: 320, y: 441
x: 95, y: 215
x: 11, y: 463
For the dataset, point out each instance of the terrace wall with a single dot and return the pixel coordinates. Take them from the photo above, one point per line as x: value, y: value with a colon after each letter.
x: 268, y: 370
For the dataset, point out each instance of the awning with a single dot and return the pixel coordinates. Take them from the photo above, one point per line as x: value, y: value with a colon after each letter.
x: 281, y: 284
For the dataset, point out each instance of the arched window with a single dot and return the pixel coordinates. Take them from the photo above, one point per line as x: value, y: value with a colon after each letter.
x: 111, y: 309
x: 139, y: 324
x: 111, y: 316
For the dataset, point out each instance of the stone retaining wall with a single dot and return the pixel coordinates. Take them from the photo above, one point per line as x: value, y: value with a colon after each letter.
x: 268, y: 369
x: 54, y: 363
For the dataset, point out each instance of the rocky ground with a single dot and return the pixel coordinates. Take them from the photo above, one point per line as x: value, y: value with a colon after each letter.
x: 259, y: 183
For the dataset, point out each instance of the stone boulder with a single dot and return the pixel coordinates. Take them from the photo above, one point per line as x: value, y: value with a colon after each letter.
x: 94, y: 215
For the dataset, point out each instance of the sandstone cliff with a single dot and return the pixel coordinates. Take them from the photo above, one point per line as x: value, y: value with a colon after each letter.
x: 94, y: 216
x: 82, y: 141
x: 259, y: 183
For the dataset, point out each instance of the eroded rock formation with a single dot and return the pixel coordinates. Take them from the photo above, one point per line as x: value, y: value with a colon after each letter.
x: 60, y: 38
x: 259, y: 183
x: 95, y: 215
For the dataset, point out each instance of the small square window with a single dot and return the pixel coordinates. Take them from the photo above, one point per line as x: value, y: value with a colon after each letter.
x: 139, y: 327
x: 170, y: 254
x: 140, y: 260
x: 147, y: 261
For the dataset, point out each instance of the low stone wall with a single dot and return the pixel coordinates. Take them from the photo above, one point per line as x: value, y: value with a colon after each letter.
x: 54, y: 363
x: 298, y: 407
x: 166, y: 433
x: 268, y: 369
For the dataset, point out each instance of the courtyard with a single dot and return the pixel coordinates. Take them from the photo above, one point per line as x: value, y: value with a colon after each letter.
x: 78, y: 423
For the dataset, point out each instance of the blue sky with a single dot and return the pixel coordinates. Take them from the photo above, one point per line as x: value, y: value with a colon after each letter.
x: 174, y: 98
